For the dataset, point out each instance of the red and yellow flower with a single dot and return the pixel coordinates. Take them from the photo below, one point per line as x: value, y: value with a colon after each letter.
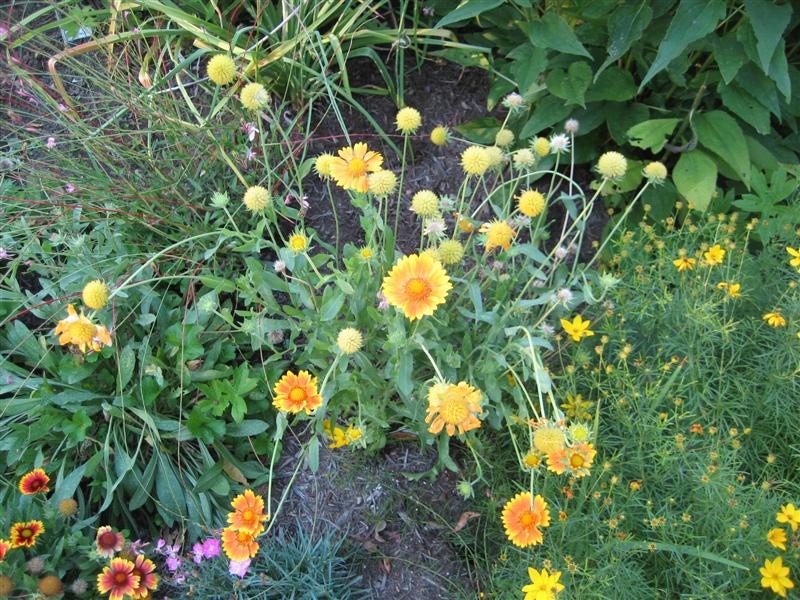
x: 524, y: 518
x: 118, y: 579
x: 108, y: 542
x: 295, y: 393
x: 248, y: 513
x: 34, y: 482
x: 5, y: 546
x: 144, y: 569
x: 24, y: 534
x: 238, y: 544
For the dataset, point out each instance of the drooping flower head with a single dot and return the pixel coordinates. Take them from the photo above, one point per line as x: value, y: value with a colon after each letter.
x: 475, y: 160
x: 499, y: 234
x: 408, y: 120
x: 117, y: 579
x: 543, y: 585
x: 351, y: 167
x: 524, y: 518
x: 775, y: 576
x: 34, y: 482
x: 24, y: 534
x: 296, y: 393
x: 95, y: 294
x: 248, y: 513
x: 108, y: 542
x: 453, y: 407
x: 144, y: 569
x: 577, y: 329
x: 417, y: 284
x: 684, y: 263
x: 221, y: 69
x: 78, y: 330
x: 775, y: 319
x: 238, y: 544
x: 777, y: 537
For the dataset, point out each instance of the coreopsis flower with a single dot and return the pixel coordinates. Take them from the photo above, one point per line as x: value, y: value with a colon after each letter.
x: 453, y: 407
x: 504, y: 137
x: 531, y: 203
x: 612, y: 165
x: 541, y: 146
x: 24, y: 534
x: 543, y: 585
x: 559, y: 143
x: 50, y: 585
x: 5, y: 546
x: 733, y: 289
x: 296, y: 393
x: 795, y: 254
x: 775, y: 576
x: 577, y: 329
x: 777, y: 537
x: 238, y: 544
x: 775, y: 319
x: 144, y: 569
x: 450, y: 252
x: 349, y: 340
x: 298, y: 242
x: 381, y: 183
x: 440, y: 135
x: 95, y: 294
x: 499, y: 234
x: 655, y: 172
x: 532, y: 460
x: 416, y: 285
x: 408, y: 120
x: 524, y: 158
x: 790, y: 515
x: 221, y: 69
x: 475, y: 160
x: 108, y: 542
x: 322, y: 165
x: 365, y: 253
x: 79, y: 331
x: 351, y: 167
x: 248, y: 513
x: 256, y: 198
x: 524, y: 518
x: 684, y: 263
x: 577, y: 408
x: 425, y: 204
x: 714, y: 255
x: 117, y: 579
x: 34, y: 482
x: 254, y: 97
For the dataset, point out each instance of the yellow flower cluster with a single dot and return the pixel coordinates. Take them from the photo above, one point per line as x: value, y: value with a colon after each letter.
x: 341, y: 437
x: 774, y: 574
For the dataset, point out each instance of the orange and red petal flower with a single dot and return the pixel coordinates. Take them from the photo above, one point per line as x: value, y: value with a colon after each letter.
x: 24, y: 534
x: 117, y: 579
x: 108, y: 542
x: 5, y: 546
x: 34, y: 482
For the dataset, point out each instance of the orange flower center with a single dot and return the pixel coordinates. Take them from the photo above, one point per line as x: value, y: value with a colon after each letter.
x: 526, y: 519
x: 297, y: 395
x: 418, y: 288
x: 120, y: 578
x: 243, y: 537
x: 357, y: 167
x: 108, y: 539
x: 248, y: 515
x: 576, y: 461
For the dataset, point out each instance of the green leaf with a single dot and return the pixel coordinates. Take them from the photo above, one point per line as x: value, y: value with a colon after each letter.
x: 247, y: 428
x: 652, y: 134
x: 720, y: 133
x: 169, y: 492
x: 695, y: 177
x: 66, y: 486
x: 405, y: 370
x: 313, y: 454
x: 467, y: 10
x: 614, y: 84
x: 553, y: 32
x: 746, y: 107
x: 730, y: 56
x: 693, y: 20
x: 127, y: 362
x: 331, y: 306
x: 768, y: 20
x: 570, y: 85
x: 647, y: 546
x: 549, y: 111
x: 481, y: 130
x: 625, y: 26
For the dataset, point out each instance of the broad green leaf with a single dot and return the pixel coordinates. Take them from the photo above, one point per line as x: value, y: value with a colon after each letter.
x: 127, y: 362
x: 760, y: 156
x: 625, y: 26
x: 553, y: 32
x: 652, y: 134
x: 467, y: 10
x: 65, y: 486
x: 621, y: 116
x: 730, y: 56
x: 169, y: 492
x: 247, y: 428
x: 614, y: 84
x: 746, y: 107
x: 719, y: 132
x: 768, y: 20
x: 570, y: 85
x: 481, y: 130
x: 331, y: 307
x: 549, y: 111
x: 693, y: 20
x: 779, y: 71
x: 313, y: 454
x: 527, y: 63
x: 695, y: 177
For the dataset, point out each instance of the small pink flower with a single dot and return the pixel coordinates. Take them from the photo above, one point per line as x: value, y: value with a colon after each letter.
x: 137, y: 546
x: 4, y: 254
x: 69, y: 188
x: 239, y: 567
x: 51, y: 142
x: 383, y: 301
x: 63, y: 107
x: 251, y: 130
x: 160, y: 544
x: 251, y: 155
x: 211, y: 548
x: 197, y: 553
x: 173, y: 563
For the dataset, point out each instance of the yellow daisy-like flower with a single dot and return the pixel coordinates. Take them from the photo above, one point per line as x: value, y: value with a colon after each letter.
x: 475, y: 160
x: 248, y: 513
x: 349, y: 340
x: 499, y: 234
x: 504, y: 137
x: 351, y: 167
x: 254, y: 97
x: 221, y: 69
x: 777, y: 537
x: 256, y: 198
x: 296, y: 393
x: 323, y: 163
x: 775, y: 576
x: 425, y: 204
x: 775, y: 319
x: 95, y: 294
x: 464, y: 224
x: 612, y: 165
x: 450, y: 252
x: 408, y: 120
x: 365, y: 253
x: 655, y: 172
x: 440, y: 135
x: 543, y: 585
x: 683, y: 263
x: 734, y: 289
x: 531, y: 203
x: 541, y: 146
x: 78, y: 330
x: 417, y: 284
x: 298, y: 242
x: 381, y: 183
x: 548, y: 438
x: 577, y: 408
x: 577, y: 329
x: 238, y: 544
x: 790, y: 515
x: 453, y: 407
x: 524, y: 518
x: 524, y: 158
x: 714, y: 255
x: 532, y: 460
x: 795, y: 254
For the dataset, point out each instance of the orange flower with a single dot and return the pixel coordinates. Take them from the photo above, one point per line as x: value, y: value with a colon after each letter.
x: 523, y: 519
x: 144, y: 569
x: 557, y: 461
x: 23, y: 535
x: 350, y: 168
x: 5, y: 546
x: 294, y: 393
x: 577, y: 460
x: 34, y: 482
x: 238, y: 545
x: 108, y: 542
x: 118, y: 579
x: 249, y: 513
x: 417, y: 284
x: 696, y: 428
x: 78, y: 330
x: 453, y: 406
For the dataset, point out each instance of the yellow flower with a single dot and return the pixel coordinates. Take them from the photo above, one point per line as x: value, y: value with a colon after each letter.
x: 365, y: 253
x: 579, y: 432
x: 655, y: 172
x: 221, y: 69
x: 78, y: 330
x: 450, y: 252
x: 349, y: 340
x: 777, y: 537
x: 541, y: 146
x: 531, y: 203
x: 532, y: 460
x: 256, y: 198
x: 416, y: 285
x: 548, y: 438
x: 776, y: 577
x: 795, y: 253
x: 464, y: 224
x: 775, y: 319
x: 350, y: 168
x: 322, y: 164
x: 296, y: 393
x: 499, y: 234
x: 381, y: 183
x: 504, y: 137
x: 453, y: 407
x: 524, y: 158
x: 543, y: 586
x: 475, y: 160
x: 577, y: 329
x: 440, y: 135
x: 95, y: 294
x: 612, y: 165
x: 425, y: 204
x: 682, y: 263
x: 298, y: 242
x: 254, y: 97
x: 789, y: 514
x: 733, y: 289
x: 577, y: 408
x: 714, y: 255
x: 408, y: 120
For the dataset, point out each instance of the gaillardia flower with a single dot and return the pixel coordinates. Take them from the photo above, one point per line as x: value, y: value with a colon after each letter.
x: 524, y: 518
x: 117, y: 579
x: 323, y: 163
x: 541, y: 146
x: 221, y: 69
x: 549, y: 438
x: 351, y: 167
x: 34, y: 482
x: 531, y: 203
x: 144, y: 569
x: 79, y: 331
x: 381, y: 183
x: 417, y: 284
x: 298, y: 242
x: 95, y: 294
x: 612, y: 165
x: 453, y: 407
x: 475, y: 160
x: 499, y: 234
x: 24, y: 534
x: 450, y: 252
x: 5, y: 546
x: 108, y: 542
x: 248, y: 513
x: 440, y: 135
x: 504, y: 137
x: 238, y: 544
x: 655, y: 172
x: 296, y: 393
x: 256, y: 198
x: 425, y: 204
x: 50, y: 585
